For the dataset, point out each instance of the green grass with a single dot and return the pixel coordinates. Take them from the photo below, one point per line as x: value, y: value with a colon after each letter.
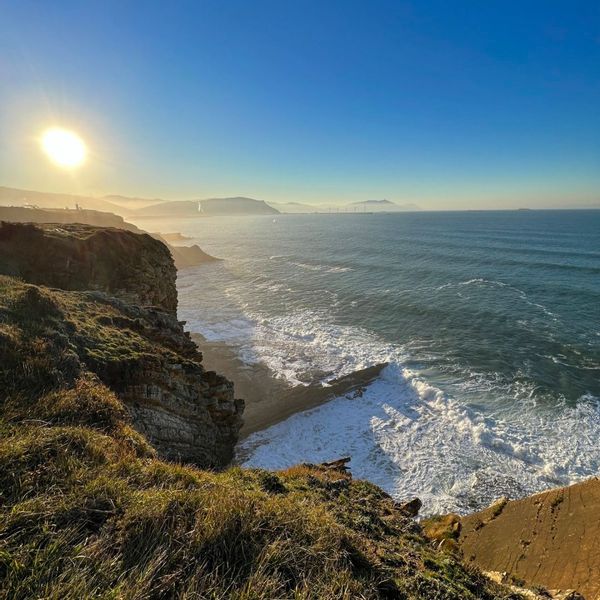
x: 84, y: 514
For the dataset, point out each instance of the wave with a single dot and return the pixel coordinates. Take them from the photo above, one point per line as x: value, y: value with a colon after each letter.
x: 413, y: 440
x: 442, y: 422
x: 406, y: 434
x: 325, y: 268
x: 522, y: 294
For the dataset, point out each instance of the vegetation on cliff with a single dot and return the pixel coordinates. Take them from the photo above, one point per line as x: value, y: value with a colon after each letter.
x: 50, y: 339
x: 87, y: 512
x: 89, y: 508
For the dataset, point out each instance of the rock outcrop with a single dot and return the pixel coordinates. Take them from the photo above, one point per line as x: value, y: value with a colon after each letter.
x: 551, y: 539
x: 51, y: 338
x: 190, y: 256
x: 183, y: 256
x: 73, y: 256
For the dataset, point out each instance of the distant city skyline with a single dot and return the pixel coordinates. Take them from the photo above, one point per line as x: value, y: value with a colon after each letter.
x: 445, y: 105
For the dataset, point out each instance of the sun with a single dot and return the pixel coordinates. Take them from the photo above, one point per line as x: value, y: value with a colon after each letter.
x: 64, y: 148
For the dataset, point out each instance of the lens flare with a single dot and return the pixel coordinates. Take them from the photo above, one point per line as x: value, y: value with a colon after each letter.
x: 64, y: 148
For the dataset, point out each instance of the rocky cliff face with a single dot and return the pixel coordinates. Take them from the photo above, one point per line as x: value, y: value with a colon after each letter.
x: 136, y: 268
x: 50, y: 339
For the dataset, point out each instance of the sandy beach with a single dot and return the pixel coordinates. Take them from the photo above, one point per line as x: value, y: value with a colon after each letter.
x: 270, y: 399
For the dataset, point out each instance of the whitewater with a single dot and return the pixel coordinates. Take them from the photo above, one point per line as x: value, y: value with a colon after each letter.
x: 489, y: 324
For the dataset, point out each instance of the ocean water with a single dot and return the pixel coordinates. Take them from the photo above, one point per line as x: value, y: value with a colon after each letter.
x: 490, y: 323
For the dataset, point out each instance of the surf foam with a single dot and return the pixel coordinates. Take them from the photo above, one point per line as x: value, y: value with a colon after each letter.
x: 404, y: 434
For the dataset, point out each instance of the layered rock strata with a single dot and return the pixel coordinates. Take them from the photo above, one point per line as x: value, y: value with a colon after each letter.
x: 51, y: 338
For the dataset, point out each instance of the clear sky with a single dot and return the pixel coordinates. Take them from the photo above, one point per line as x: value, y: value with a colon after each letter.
x: 449, y: 104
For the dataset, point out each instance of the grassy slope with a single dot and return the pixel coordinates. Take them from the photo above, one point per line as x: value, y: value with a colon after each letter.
x: 87, y: 511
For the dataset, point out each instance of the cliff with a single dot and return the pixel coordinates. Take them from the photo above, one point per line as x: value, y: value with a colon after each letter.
x: 183, y: 256
x: 101, y: 401
x: 551, y: 539
x: 21, y: 214
x: 136, y: 268
x: 13, y: 197
x: 189, y: 256
x: 142, y: 354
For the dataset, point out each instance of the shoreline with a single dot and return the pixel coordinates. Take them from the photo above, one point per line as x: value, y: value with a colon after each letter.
x: 270, y: 399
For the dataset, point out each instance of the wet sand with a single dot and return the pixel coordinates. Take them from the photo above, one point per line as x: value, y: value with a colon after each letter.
x: 270, y: 399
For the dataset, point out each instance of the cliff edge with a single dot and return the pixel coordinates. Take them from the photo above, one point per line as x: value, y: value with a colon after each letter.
x: 53, y: 338
x: 184, y: 256
x: 72, y: 256
x: 551, y: 539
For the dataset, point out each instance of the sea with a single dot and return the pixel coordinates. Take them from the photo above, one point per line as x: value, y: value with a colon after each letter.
x: 489, y: 323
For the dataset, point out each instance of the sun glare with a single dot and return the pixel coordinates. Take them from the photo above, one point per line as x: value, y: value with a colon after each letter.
x: 65, y: 148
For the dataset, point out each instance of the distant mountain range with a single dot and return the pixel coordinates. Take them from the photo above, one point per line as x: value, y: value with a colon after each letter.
x: 362, y: 206
x: 236, y: 206
x: 211, y: 207
x: 144, y: 207
x: 137, y: 207
x: 130, y: 202
x: 176, y: 208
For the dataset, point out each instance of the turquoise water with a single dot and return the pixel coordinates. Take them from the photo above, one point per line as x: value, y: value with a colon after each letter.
x: 490, y: 322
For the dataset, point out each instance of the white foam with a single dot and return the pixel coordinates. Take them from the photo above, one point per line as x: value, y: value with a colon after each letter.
x: 325, y: 268
x: 309, y: 267
x: 404, y: 434
x: 411, y: 439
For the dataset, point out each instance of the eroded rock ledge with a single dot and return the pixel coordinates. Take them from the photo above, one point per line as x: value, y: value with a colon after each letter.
x: 550, y: 539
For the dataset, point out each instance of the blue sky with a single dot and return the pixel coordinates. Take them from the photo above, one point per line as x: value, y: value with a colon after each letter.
x: 446, y: 104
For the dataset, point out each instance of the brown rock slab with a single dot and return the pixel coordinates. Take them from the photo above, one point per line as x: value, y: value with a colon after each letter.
x: 411, y: 508
x: 551, y: 539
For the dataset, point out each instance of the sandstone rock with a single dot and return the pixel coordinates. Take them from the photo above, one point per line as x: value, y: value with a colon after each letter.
x: 187, y: 413
x: 189, y: 256
x: 341, y: 464
x: 442, y: 527
x: 183, y: 256
x: 551, y: 539
x: 565, y: 595
x: 496, y: 507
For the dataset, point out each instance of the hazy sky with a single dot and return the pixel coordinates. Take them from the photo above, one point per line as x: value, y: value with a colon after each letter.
x: 449, y: 104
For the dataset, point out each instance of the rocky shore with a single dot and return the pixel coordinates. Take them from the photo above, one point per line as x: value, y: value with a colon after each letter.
x: 270, y: 399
